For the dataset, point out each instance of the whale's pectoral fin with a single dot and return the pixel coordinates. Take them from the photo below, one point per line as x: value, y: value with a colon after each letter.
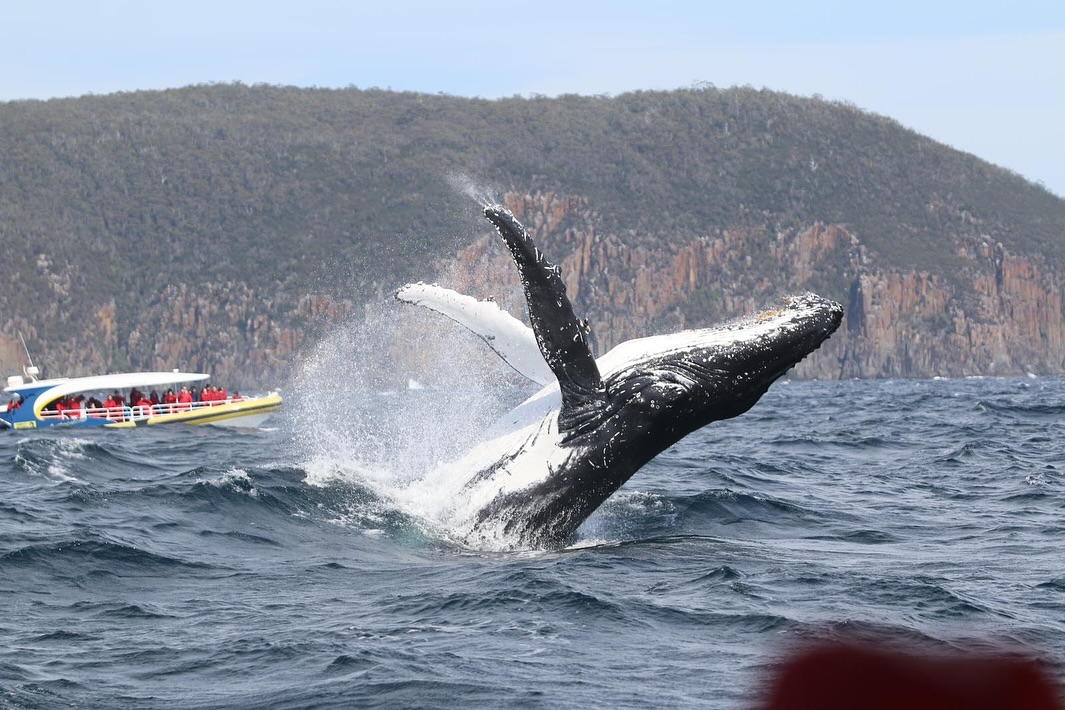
x: 560, y: 336
x: 511, y: 339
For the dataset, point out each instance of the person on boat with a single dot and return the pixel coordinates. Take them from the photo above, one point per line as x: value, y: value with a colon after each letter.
x: 143, y: 406
x: 169, y: 400
x: 236, y: 396
x: 184, y: 399
x: 74, y: 407
x: 113, y: 405
x: 61, y: 408
x: 93, y: 406
x: 15, y: 402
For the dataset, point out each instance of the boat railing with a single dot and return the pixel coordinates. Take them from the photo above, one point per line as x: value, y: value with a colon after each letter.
x: 131, y: 413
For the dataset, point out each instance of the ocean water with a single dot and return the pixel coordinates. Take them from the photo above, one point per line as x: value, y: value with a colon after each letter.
x: 282, y: 567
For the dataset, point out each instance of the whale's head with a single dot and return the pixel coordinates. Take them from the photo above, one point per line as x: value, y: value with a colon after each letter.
x: 667, y: 386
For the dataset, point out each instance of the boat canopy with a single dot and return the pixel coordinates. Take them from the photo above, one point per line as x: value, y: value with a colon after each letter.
x: 49, y: 391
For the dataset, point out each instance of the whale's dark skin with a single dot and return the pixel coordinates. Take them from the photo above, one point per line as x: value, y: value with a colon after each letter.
x: 604, y: 428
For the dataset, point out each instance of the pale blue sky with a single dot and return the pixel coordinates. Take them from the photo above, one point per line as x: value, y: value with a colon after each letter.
x: 986, y: 78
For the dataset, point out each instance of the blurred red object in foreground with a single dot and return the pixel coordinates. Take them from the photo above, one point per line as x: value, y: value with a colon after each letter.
x: 845, y: 676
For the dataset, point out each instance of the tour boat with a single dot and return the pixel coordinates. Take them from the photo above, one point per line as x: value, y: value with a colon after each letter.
x: 32, y: 403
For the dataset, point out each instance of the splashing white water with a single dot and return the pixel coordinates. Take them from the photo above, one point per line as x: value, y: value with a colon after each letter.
x: 358, y: 421
x: 50, y: 458
x: 235, y: 479
x: 483, y: 195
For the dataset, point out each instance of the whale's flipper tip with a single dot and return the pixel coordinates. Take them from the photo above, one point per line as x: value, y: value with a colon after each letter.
x: 504, y: 220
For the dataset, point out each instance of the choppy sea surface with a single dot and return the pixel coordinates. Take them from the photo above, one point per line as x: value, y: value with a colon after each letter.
x: 276, y: 568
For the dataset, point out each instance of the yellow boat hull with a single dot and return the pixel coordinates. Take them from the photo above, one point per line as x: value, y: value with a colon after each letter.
x: 254, y: 407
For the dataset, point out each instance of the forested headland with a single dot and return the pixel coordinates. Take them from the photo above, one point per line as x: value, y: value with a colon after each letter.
x: 226, y: 228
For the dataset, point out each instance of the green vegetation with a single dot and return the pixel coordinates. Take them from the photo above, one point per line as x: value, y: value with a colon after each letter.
x: 351, y: 192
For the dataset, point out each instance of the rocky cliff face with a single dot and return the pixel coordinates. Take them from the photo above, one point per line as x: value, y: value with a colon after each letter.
x: 990, y: 313
x: 995, y: 314
x: 246, y: 336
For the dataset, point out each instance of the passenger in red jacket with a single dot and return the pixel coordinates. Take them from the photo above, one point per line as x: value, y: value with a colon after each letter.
x: 184, y: 399
x: 113, y: 404
x: 144, y: 406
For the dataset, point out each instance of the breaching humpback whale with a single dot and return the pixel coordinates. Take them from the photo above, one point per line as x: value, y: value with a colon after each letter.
x: 549, y: 463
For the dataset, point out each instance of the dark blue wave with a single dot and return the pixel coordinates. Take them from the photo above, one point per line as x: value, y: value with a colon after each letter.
x: 71, y: 558
x: 201, y: 569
